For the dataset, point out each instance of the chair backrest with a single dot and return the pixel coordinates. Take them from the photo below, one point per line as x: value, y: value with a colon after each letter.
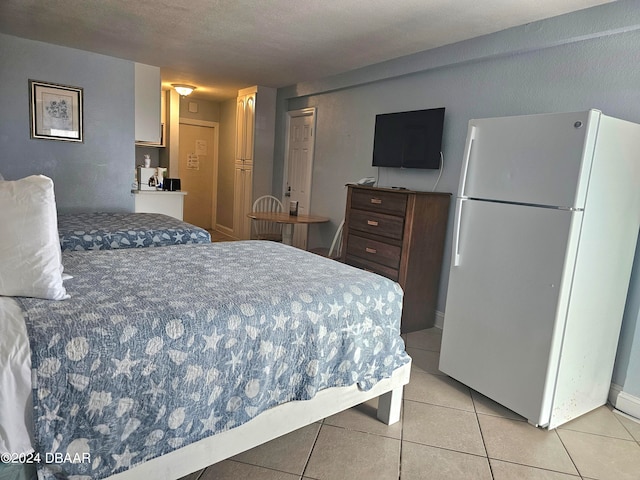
x: 267, y: 203
x: 336, y: 246
x: 267, y: 230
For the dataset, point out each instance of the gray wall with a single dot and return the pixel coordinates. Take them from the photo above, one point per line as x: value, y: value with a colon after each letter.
x: 89, y: 176
x: 207, y: 110
x: 584, y: 60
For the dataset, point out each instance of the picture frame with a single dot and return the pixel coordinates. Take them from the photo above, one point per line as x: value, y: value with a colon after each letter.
x: 56, y: 111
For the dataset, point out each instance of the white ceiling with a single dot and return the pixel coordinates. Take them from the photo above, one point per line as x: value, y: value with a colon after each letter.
x: 223, y: 45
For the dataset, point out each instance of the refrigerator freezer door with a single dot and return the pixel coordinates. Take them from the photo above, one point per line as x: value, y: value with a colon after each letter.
x: 506, y: 299
x: 531, y: 159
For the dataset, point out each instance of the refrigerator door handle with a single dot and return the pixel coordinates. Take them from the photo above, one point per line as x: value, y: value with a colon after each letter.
x: 456, y: 232
x: 471, y: 136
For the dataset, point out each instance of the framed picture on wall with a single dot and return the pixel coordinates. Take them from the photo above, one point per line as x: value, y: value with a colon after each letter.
x: 56, y: 111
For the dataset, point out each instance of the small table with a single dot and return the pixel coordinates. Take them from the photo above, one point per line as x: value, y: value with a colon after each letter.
x: 288, y: 221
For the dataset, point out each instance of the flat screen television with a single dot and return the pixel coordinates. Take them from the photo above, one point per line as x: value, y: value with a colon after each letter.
x: 408, y: 139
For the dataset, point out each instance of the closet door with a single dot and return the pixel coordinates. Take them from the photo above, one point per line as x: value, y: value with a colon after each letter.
x: 242, y: 202
x: 240, y: 129
x: 249, y: 127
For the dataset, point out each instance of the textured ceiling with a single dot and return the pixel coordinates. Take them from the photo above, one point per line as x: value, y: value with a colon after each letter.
x: 223, y: 45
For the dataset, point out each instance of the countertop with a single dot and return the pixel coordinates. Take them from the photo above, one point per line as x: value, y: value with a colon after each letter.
x: 157, y: 192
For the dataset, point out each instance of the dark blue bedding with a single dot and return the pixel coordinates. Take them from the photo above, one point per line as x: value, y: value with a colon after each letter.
x: 106, y: 231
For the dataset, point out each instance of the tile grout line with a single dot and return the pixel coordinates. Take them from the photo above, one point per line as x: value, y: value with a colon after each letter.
x: 602, y: 435
x: 555, y: 430
x: 618, y: 416
x: 315, y: 441
x: 484, y: 444
x: 201, y: 473
x: 255, y: 465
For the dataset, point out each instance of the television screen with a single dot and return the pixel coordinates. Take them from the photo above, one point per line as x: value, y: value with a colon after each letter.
x: 408, y: 139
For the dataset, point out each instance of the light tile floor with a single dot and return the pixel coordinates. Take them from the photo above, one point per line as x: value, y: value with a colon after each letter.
x: 447, y: 432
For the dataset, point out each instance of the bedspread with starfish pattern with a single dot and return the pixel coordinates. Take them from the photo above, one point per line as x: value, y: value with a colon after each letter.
x: 106, y: 231
x: 139, y: 362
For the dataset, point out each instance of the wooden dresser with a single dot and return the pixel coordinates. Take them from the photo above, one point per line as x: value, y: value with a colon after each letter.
x: 399, y: 234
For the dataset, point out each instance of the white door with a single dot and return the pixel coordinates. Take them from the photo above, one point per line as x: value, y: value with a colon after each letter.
x: 506, y: 297
x: 532, y: 159
x: 301, y: 139
x: 198, y: 172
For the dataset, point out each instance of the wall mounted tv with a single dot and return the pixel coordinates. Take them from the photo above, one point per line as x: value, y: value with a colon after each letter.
x: 408, y: 139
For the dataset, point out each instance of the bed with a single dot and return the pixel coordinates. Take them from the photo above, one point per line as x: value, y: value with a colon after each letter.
x: 120, y: 372
x: 103, y: 230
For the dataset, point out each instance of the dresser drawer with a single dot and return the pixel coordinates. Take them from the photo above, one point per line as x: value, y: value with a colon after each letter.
x: 383, y: 224
x: 374, y: 251
x: 391, y: 273
x: 384, y: 202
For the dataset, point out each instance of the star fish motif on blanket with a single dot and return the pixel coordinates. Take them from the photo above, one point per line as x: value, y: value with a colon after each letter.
x: 124, y: 366
x: 211, y: 341
x: 124, y: 460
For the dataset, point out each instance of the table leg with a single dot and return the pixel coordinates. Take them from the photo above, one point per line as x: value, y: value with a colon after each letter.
x: 287, y: 233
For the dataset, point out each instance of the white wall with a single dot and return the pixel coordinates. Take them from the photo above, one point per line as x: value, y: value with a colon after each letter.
x: 584, y: 60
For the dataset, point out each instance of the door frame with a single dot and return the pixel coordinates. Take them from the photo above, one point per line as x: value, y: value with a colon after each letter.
x: 304, y: 112
x: 214, y: 180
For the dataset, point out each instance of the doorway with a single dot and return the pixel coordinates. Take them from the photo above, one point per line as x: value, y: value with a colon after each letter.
x: 301, y: 125
x: 198, y: 167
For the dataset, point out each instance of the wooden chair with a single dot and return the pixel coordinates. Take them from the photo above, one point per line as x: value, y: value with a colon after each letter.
x: 263, y: 230
x: 335, y: 250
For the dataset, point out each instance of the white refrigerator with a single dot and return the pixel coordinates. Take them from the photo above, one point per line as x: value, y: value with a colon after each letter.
x: 544, y: 237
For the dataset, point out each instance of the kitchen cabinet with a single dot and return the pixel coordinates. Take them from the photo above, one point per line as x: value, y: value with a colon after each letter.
x: 400, y: 235
x: 147, y: 104
x: 163, y: 126
x: 255, y: 137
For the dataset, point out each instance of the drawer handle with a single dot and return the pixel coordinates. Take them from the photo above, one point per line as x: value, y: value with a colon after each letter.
x: 373, y: 223
x: 370, y: 250
x: 376, y: 201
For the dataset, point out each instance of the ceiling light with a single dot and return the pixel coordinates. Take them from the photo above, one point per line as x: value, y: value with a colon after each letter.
x: 183, y: 90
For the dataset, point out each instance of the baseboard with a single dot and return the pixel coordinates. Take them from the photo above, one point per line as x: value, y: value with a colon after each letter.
x: 624, y: 401
x: 439, y: 321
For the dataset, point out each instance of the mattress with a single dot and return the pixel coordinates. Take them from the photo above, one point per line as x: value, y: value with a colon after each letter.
x: 137, y: 364
x: 103, y: 231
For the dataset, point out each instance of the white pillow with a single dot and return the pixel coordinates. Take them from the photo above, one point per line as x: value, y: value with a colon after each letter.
x: 30, y: 258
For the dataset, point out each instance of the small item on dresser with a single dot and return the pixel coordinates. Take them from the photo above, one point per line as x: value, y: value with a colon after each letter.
x: 293, y: 208
x: 160, y: 176
x: 147, y: 161
x: 144, y: 178
x: 171, y: 184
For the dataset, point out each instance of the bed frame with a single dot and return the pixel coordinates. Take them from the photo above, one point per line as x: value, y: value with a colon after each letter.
x: 271, y: 424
